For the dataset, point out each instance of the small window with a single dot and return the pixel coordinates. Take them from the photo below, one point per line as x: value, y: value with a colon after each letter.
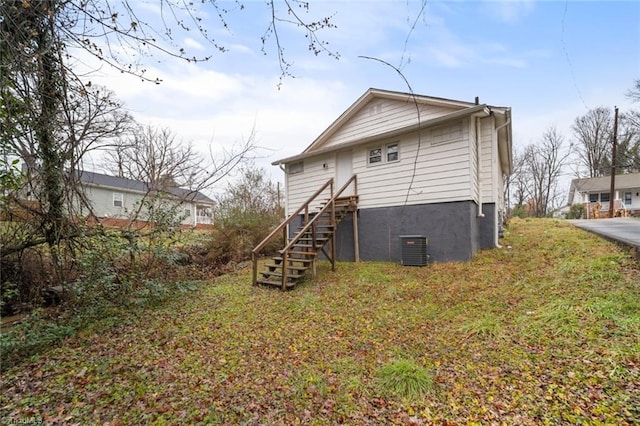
x: 392, y: 152
x: 375, y: 155
x: 627, y: 198
x: 187, y: 212
x: 118, y: 199
x: 295, y: 168
x: 604, y: 197
x: 593, y: 198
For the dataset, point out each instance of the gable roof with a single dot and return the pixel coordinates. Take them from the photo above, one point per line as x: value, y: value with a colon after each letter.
x: 459, y: 109
x: 603, y: 183
x: 131, y: 185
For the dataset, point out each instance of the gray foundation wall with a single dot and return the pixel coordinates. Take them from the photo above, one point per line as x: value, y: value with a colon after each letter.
x: 454, y: 231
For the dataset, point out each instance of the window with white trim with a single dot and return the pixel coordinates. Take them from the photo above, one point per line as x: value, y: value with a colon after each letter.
x: 627, y: 198
x: 392, y: 152
x: 118, y: 199
x: 375, y: 155
x: 384, y: 154
x: 187, y: 212
x: 604, y: 197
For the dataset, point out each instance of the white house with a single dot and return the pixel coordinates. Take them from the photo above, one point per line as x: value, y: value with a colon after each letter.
x: 589, y: 191
x: 424, y: 166
x: 117, y: 198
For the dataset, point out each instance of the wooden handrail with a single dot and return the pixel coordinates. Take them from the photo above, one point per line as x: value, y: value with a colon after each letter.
x: 292, y: 216
x: 309, y: 223
x: 317, y: 216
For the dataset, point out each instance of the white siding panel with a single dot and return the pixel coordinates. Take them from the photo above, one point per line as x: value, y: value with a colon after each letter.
x: 383, y: 115
x: 443, y: 172
x: 440, y: 175
x: 301, y: 186
x: 473, y: 158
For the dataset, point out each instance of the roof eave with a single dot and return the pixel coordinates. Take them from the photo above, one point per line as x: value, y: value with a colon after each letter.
x: 381, y: 94
x: 473, y: 110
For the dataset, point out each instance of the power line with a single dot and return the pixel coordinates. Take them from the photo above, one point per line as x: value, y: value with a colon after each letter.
x: 566, y: 53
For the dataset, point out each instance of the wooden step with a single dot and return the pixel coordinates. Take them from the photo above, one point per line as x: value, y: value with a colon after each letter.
x: 319, y: 241
x: 272, y: 283
x: 302, y: 246
x: 291, y: 277
x: 295, y: 259
x: 290, y: 267
x: 303, y: 253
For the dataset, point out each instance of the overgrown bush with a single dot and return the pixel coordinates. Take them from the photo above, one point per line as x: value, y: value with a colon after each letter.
x: 25, y: 277
x: 245, y: 214
x: 576, y: 211
x: 519, y: 211
x: 106, y: 271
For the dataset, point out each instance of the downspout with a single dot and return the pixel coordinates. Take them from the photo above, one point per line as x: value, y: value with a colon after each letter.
x: 479, y: 167
x: 506, y: 123
x: 286, y: 204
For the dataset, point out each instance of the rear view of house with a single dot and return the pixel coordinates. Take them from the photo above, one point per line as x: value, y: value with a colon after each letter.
x: 395, y: 168
x: 421, y: 166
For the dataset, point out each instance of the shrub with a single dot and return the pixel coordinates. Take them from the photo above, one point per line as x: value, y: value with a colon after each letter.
x: 576, y: 211
x: 246, y: 213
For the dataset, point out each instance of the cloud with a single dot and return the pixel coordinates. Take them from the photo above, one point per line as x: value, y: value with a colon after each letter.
x: 193, y: 44
x: 508, y: 11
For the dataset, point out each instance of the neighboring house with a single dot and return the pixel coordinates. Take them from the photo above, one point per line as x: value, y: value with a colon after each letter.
x: 117, y: 198
x: 424, y: 166
x: 589, y: 191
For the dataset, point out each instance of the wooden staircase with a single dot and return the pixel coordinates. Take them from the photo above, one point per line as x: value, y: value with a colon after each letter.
x: 317, y: 231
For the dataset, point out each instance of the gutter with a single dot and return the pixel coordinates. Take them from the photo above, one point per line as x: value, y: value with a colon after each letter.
x: 503, y: 125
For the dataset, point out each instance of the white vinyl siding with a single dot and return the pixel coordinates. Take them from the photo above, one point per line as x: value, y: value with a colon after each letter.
x: 442, y: 175
x: 384, y: 115
x: 488, y: 160
x: 473, y: 158
x: 295, y: 168
x: 302, y: 185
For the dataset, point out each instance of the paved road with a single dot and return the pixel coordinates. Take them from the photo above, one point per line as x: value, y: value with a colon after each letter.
x: 625, y: 230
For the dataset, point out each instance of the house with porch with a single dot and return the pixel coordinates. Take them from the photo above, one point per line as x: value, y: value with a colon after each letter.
x: 115, y: 200
x: 392, y: 166
x: 595, y: 195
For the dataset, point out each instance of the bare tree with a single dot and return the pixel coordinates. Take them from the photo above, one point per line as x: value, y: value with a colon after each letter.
x: 39, y: 89
x: 543, y: 164
x: 156, y: 157
x: 634, y: 92
x: 517, y: 181
x: 593, y: 132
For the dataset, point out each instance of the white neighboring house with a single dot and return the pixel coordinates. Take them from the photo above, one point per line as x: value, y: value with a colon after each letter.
x: 589, y: 191
x: 116, y: 198
x: 424, y: 165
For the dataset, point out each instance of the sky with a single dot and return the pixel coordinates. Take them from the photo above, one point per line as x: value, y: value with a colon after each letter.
x: 550, y: 61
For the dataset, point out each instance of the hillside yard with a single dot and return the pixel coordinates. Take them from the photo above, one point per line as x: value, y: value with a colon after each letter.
x: 545, y: 330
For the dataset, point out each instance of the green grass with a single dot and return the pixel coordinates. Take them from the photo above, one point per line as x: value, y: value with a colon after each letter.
x: 404, y: 378
x: 542, y: 331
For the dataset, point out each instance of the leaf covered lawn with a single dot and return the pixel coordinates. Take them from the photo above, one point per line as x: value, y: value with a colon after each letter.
x: 542, y: 331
